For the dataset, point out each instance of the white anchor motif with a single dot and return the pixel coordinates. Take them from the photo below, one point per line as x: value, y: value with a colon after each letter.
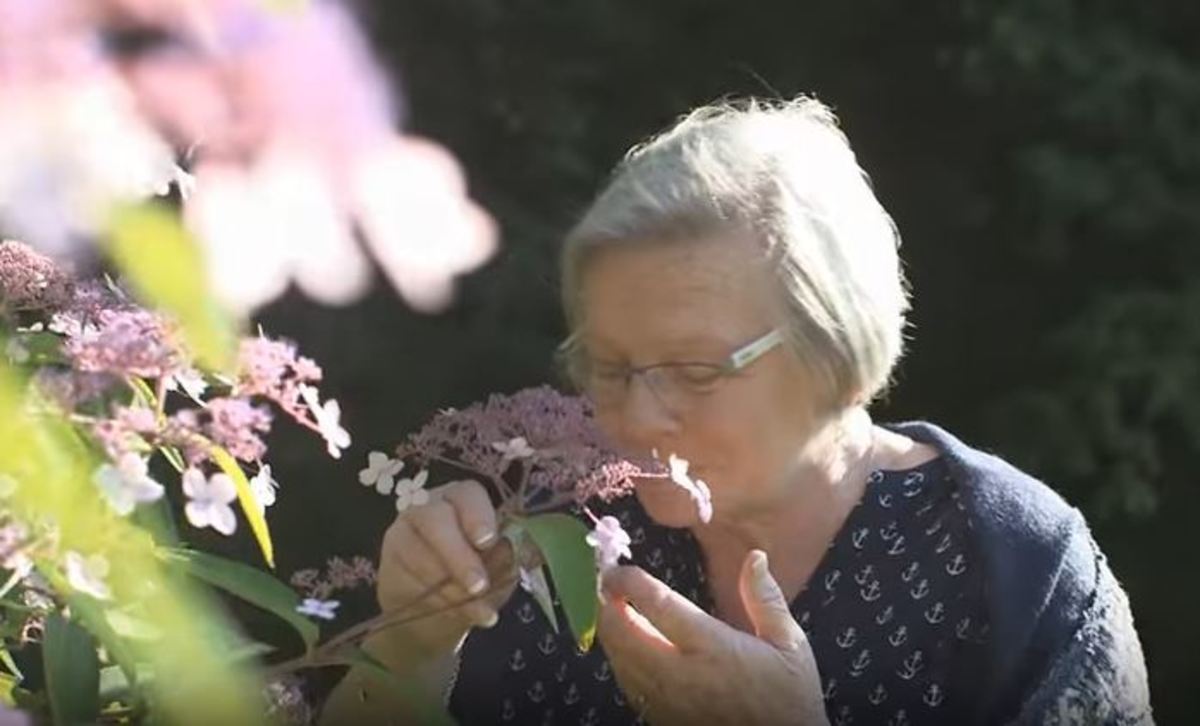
x: 669, y: 576
x: 890, y: 532
x: 884, y: 617
x: 525, y: 613
x: 900, y: 719
x: 912, y: 484
x: 961, y: 629
x: 859, y: 537
x: 591, y: 718
x: 871, y: 592
x: 877, y: 695
x: 943, y: 544
x: 843, y: 717
x: 933, y: 528
x: 536, y: 692
x: 656, y: 557
x: 921, y: 590
x: 517, y: 661
x: 560, y: 675
x: 860, y: 663
x: 897, y: 547
x: 935, y: 614
x: 830, y: 688
x: 509, y: 711
x: 832, y: 578
x: 911, y: 665
x: 864, y: 575
x: 604, y: 672
x: 910, y: 572
x: 925, y: 509
x: 899, y: 637
x: 547, y: 644
x: 934, y: 696
x: 571, y: 696
x: 637, y: 536
x: 804, y: 618
x: 956, y: 566
x: 875, y: 477
x: 847, y: 638
x: 885, y: 501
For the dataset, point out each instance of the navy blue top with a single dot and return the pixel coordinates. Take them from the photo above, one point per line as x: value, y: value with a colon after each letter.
x: 961, y: 591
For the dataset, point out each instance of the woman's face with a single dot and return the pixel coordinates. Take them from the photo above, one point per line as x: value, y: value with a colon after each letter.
x: 745, y: 435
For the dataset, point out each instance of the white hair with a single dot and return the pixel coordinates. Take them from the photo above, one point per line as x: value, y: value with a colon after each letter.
x: 785, y: 172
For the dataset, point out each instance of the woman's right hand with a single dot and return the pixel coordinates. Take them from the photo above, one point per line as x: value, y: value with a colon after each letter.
x: 450, y: 551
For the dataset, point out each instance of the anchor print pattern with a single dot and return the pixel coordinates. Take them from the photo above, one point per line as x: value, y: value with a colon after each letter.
x: 894, y: 614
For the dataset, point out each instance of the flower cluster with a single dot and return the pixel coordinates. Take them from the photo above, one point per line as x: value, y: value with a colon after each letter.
x: 122, y: 374
x: 338, y: 575
x: 538, y: 444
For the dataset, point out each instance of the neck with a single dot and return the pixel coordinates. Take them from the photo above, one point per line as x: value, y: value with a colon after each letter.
x: 795, y: 528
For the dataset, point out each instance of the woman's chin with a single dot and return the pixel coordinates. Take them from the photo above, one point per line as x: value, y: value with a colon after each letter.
x: 667, y: 503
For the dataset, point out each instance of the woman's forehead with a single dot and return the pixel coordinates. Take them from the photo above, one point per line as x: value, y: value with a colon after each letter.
x: 679, y: 293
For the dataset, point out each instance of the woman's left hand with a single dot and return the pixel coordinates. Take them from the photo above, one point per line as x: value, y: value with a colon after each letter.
x: 678, y: 665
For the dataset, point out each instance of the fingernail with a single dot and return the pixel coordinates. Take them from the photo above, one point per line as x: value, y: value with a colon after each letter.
x: 476, y: 583
x: 760, y: 564
x: 492, y: 618
x: 485, y: 539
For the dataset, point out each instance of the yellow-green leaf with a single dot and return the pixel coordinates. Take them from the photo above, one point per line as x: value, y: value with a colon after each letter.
x: 165, y: 266
x: 254, y: 513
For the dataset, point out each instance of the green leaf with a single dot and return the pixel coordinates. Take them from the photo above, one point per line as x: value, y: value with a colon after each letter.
x: 8, y: 687
x: 7, y: 659
x: 250, y: 584
x: 572, y: 563
x: 72, y: 671
x: 254, y: 514
x: 166, y: 268
x: 533, y: 579
x: 426, y: 707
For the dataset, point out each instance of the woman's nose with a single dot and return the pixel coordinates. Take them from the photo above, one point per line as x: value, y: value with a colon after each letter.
x: 643, y: 418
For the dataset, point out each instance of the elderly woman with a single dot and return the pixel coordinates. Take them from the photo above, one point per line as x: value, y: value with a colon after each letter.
x: 735, y: 297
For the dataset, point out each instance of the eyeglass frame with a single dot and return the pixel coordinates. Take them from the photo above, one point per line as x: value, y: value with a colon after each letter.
x: 738, y: 360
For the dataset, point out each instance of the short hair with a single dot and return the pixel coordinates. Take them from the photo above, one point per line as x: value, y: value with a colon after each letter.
x: 785, y: 172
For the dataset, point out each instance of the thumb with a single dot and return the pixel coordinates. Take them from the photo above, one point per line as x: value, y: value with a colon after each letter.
x: 766, y: 605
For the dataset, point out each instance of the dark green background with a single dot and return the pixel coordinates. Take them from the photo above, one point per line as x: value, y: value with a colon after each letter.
x: 1041, y: 158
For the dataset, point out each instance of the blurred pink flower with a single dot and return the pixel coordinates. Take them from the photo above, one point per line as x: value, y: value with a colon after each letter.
x: 287, y: 122
x: 126, y: 342
x: 235, y: 423
x: 31, y: 281
x: 209, y: 500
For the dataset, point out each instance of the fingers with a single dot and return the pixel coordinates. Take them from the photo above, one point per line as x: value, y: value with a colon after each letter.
x: 474, y: 509
x: 668, y: 614
x: 766, y: 604
x: 428, y: 546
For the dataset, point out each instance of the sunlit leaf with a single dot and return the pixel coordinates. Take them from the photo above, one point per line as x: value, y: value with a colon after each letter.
x: 254, y: 513
x: 164, y: 264
x: 72, y: 671
x: 7, y: 659
x: 252, y: 585
x: 572, y: 564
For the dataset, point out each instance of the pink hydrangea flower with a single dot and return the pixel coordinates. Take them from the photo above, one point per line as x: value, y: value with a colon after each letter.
x: 610, y: 541
x: 31, y: 281
x: 235, y: 423
x: 209, y: 500
x: 696, y: 489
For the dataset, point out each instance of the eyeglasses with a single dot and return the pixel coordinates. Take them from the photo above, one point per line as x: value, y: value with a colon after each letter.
x: 676, y: 384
